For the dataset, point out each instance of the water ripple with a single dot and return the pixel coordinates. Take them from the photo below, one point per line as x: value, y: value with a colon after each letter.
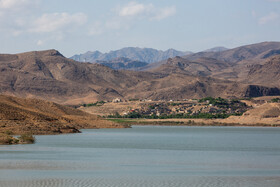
x: 148, y: 182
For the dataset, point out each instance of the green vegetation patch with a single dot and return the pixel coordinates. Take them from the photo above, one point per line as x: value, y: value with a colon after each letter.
x: 98, y: 103
x: 275, y: 100
x: 122, y: 120
x: 136, y: 115
x: 220, y: 102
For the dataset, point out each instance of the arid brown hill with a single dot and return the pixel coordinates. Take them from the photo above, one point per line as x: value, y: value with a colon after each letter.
x: 41, y: 117
x: 199, y: 67
x: 49, y: 75
x: 268, y: 74
x: 268, y: 113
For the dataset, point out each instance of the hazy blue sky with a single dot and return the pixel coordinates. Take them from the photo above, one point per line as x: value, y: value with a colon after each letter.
x: 72, y: 26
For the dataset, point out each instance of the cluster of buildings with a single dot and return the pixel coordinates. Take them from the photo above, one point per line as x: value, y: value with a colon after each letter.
x: 191, y: 107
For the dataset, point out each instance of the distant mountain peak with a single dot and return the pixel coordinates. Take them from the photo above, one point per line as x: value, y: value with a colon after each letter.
x: 93, y: 52
x: 216, y: 49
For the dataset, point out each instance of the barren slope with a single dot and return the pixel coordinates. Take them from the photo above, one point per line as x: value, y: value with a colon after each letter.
x: 199, y: 67
x: 41, y: 117
x: 268, y: 113
x: 268, y: 74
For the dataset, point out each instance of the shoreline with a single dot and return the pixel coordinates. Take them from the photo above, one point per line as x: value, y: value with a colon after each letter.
x: 187, y: 122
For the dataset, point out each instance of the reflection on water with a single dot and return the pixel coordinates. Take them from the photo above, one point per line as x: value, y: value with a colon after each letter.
x: 147, y: 156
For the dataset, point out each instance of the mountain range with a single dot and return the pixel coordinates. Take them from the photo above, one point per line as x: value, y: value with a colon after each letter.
x: 133, y: 58
x: 246, y: 71
x: 147, y: 55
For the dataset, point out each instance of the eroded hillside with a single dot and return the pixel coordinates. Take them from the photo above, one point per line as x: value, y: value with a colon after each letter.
x: 35, y: 116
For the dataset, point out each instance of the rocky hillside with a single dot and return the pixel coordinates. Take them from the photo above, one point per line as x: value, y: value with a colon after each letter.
x: 35, y: 116
x: 147, y: 55
x: 199, y: 67
x: 268, y: 73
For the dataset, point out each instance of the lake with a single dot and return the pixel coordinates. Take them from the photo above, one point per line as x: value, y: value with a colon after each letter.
x: 147, y: 156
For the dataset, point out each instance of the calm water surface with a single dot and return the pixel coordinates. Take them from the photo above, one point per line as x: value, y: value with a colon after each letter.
x: 147, y: 156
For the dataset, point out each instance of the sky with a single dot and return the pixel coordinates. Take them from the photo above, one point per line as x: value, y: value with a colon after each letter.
x: 74, y: 27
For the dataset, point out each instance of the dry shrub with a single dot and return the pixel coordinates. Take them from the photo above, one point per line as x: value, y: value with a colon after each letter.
x: 27, y: 138
x: 7, y: 139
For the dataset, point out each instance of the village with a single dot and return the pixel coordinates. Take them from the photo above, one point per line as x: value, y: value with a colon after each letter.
x: 189, y: 108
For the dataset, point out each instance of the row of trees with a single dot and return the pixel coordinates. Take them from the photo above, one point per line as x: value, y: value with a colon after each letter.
x: 169, y: 116
x: 98, y: 103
